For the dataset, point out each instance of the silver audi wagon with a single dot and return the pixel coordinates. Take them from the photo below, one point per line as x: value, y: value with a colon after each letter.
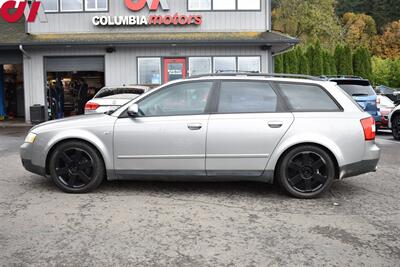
x: 301, y: 132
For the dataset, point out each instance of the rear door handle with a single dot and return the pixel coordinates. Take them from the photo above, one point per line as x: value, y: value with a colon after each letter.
x: 194, y: 126
x: 275, y: 124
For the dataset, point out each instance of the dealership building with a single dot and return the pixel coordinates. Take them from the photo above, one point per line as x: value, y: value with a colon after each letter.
x: 125, y: 42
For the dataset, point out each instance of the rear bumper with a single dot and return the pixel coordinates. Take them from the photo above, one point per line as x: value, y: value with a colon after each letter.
x: 358, y: 168
x: 368, y: 164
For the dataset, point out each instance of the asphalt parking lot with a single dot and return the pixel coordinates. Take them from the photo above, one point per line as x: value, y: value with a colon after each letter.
x: 357, y: 223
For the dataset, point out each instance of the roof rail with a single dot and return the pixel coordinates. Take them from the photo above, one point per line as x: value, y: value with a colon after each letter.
x: 341, y: 77
x: 258, y: 74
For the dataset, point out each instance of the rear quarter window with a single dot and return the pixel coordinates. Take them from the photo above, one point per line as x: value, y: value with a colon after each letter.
x: 307, y: 97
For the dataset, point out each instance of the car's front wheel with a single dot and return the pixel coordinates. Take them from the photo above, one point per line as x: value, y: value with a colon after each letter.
x: 306, y: 171
x: 396, y: 127
x: 76, y: 167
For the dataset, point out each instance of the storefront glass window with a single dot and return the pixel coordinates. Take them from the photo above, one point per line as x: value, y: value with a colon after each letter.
x: 224, y: 4
x: 224, y: 64
x: 96, y: 5
x: 249, y: 64
x: 249, y: 4
x: 50, y: 5
x: 199, y: 65
x: 71, y: 5
x: 199, y: 4
x: 149, y: 71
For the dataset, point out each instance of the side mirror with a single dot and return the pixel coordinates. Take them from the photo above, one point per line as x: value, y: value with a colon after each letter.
x: 133, y: 110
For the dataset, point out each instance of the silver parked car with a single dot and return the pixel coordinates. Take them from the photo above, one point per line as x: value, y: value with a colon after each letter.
x: 111, y: 98
x: 302, y: 133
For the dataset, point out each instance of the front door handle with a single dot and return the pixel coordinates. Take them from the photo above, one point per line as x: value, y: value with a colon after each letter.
x: 194, y: 126
x: 275, y: 124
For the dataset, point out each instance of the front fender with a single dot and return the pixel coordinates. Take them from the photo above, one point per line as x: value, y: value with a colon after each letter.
x: 103, y: 143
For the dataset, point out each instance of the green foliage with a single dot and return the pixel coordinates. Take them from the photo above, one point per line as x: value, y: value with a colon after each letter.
x: 344, y: 60
x: 316, y: 60
x: 291, y: 62
x: 386, y: 72
x: 362, y: 63
x: 278, y: 64
x: 308, y: 20
x: 303, y: 63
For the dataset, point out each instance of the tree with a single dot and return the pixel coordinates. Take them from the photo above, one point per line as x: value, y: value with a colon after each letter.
x: 386, y: 72
x: 359, y: 29
x: 344, y: 60
x: 362, y: 63
x: 328, y: 64
x: 387, y: 45
x: 290, y: 62
x: 303, y: 64
x: 308, y: 20
x: 383, y: 11
x: 279, y: 64
x: 317, y: 63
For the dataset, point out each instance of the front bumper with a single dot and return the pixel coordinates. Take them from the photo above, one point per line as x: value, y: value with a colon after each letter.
x: 368, y: 164
x: 26, y: 152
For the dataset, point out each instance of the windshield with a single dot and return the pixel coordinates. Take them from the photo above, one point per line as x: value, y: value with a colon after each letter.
x: 357, y: 89
x: 110, y: 92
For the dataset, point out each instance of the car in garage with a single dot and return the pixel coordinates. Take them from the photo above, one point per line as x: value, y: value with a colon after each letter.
x: 111, y: 98
x: 299, y: 131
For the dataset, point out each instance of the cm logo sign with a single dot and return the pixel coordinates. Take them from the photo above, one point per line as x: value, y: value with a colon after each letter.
x: 12, y: 13
x: 136, y: 5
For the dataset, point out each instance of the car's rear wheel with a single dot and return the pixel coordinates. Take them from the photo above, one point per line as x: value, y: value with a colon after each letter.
x: 76, y: 167
x: 306, y: 171
x: 396, y: 127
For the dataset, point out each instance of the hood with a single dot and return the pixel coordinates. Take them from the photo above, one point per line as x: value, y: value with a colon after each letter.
x: 74, y: 122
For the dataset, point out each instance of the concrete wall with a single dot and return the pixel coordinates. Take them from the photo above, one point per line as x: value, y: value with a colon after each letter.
x: 217, y: 21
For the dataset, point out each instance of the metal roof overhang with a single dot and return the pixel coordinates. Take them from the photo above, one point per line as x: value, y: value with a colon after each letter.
x: 266, y: 40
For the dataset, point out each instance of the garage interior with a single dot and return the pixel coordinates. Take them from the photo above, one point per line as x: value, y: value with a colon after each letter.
x: 12, y: 107
x: 70, y: 83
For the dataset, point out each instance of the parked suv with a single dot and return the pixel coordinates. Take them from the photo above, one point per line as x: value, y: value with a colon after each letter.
x: 362, y: 92
x: 302, y: 133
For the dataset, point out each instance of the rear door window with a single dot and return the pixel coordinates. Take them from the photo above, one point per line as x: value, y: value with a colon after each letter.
x: 307, y: 97
x: 247, y: 97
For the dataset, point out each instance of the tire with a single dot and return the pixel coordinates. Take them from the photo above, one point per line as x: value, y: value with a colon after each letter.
x: 76, y: 167
x: 306, y: 171
x: 396, y: 127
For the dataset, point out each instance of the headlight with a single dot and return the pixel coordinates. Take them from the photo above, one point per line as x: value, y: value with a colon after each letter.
x: 30, y: 138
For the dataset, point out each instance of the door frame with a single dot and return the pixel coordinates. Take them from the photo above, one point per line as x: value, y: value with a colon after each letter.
x: 168, y: 60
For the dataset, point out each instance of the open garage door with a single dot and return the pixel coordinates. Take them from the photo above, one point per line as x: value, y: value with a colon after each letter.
x: 66, y: 64
x: 71, y: 82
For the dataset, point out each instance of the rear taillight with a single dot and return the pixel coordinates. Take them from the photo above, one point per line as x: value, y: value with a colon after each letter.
x: 369, y: 128
x: 91, y: 106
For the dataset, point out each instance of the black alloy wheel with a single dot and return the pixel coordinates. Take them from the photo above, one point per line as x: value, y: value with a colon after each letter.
x: 76, y: 167
x: 306, y: 171
x: 396, y: 127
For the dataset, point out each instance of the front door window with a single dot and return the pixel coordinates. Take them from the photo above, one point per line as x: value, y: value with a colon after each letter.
x: 174, y: 69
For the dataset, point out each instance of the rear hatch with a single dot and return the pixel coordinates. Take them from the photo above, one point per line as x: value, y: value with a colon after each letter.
x: 362, y: 92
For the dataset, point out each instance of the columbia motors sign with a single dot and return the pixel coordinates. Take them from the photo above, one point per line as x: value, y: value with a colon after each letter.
x: 175, y: 19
